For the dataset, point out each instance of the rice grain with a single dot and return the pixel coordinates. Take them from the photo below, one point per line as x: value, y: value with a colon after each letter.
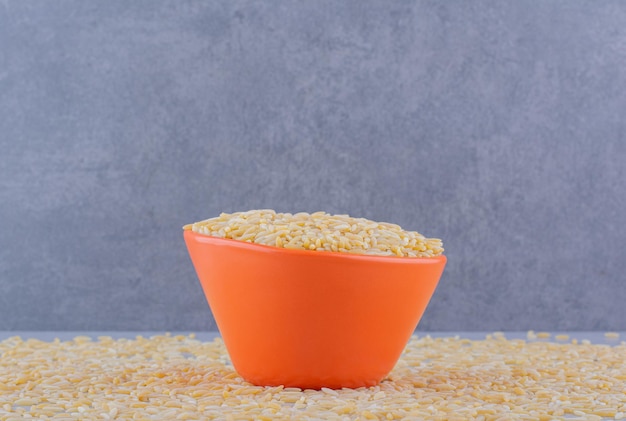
x: 180, y: 377
x: 319, y: 231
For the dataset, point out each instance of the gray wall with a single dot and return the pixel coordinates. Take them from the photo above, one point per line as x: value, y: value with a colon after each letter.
x: 498, y: 126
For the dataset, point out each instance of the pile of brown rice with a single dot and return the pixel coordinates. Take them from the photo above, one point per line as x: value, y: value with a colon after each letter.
x: 319, y: 231
x: 182, y: 378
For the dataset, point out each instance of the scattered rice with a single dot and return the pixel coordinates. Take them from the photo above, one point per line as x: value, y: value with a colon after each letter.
x: 319, y: 231
x: 182, y: 378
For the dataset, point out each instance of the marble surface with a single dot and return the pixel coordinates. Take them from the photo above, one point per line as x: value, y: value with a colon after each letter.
x: 496, y: 126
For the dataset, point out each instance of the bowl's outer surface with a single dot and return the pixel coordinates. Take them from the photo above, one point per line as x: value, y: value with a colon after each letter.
x: 312, y: 319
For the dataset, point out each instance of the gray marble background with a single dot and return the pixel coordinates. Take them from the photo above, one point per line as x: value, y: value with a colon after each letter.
x: 498, y: 126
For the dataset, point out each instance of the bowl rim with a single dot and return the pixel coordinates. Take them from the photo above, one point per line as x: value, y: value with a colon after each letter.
x: 264, y: 248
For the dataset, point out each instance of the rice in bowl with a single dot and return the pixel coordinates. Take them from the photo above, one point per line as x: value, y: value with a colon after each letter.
x: 319, y: 231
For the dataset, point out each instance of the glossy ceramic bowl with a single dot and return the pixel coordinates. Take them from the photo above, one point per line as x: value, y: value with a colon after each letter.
x: 312, y: 319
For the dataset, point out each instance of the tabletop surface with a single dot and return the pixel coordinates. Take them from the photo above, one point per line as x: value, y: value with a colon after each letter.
x: 592, y: 388
x: 596, y: 337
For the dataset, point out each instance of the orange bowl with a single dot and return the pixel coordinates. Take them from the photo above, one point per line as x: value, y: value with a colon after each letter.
x: 312, y: 319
